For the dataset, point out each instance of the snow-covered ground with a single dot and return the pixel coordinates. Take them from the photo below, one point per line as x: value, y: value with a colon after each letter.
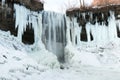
x: 21, y: 62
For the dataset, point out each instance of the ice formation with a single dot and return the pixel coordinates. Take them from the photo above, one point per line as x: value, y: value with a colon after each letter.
x: 26, y: 18
x: 87, y: 52
x: 100, y: 32
x: 73, y: 31
x: 54, y: 31
x: 49, y: 28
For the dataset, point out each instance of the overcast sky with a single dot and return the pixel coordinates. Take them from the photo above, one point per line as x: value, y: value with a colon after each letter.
x: 61, y: 5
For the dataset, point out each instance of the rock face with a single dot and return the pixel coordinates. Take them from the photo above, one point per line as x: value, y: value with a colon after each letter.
x: 105, y: 2
x: 34, y: 5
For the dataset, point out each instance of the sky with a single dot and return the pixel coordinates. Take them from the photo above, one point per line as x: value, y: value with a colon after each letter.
x: 61, y: 5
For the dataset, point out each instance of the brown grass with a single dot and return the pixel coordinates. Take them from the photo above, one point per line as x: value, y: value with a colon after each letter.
x: 105, y: 2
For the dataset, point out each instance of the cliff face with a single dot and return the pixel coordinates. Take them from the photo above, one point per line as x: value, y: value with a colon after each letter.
x: 105, y: 2
x: 34, y: 5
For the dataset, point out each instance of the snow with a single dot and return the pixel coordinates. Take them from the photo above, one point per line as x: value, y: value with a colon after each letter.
x: 17, y: 65
x: 75, y: 57
x: 12, y: 45
x: 19, y: 61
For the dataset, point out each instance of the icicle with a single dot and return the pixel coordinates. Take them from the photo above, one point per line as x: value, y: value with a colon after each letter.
x: 79, y: 28
x: 73, y: 31
x: 88, y: 31
x: 83, y: 15
x: 112, y: 27
x: 21, y: 20
x: 68, y: 30
x: 26, y: 17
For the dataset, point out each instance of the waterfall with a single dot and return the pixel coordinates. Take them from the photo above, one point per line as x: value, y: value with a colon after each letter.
x: 49, y: 28
x: 54, y: 32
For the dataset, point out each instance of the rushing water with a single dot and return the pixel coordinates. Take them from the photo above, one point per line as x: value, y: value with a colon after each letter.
x: 54, y: 32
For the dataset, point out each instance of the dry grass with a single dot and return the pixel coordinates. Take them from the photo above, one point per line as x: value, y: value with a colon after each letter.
x: 105, y: 2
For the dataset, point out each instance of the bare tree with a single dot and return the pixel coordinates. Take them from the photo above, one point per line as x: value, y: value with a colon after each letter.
x: 70, y: 5
x: 82, y: 4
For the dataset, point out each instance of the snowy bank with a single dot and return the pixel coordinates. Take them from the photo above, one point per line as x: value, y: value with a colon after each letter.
x: 42, y: 55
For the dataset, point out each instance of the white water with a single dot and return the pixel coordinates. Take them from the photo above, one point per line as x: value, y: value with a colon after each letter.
x: 54, y: 32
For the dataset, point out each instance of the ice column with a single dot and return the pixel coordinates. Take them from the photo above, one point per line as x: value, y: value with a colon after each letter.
x: 74, y: 36
x: 88, y: 26
x: 24, y: 17
x: 112, y: 27
x: 68, y: 30
x: 21, y: 19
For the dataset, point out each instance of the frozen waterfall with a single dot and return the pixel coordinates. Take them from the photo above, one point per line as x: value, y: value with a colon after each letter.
x: 49, y: 28
x: 53, y: 31
x: 100, y: 32
x: 26, y: 18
